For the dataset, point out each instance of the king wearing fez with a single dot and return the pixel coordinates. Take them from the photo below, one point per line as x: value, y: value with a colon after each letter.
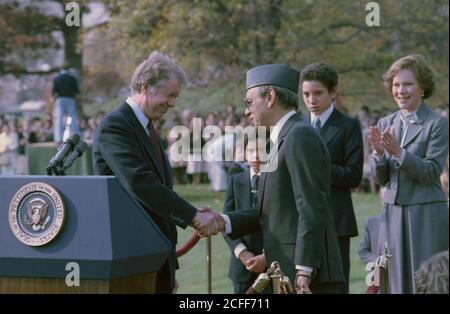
x: 293, y: 209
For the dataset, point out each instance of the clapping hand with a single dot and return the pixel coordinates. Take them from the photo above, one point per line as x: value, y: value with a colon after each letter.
x: 389, y: 141
x: 375, y: 140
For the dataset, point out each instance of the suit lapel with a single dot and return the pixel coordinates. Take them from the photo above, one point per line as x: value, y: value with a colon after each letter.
x: 331, y: 127
x: 243, y: 186
x: 142, y: 137
x: 166, y: 165
x: 262, y: 182
x: 415, y: 128
x: 397, y: 125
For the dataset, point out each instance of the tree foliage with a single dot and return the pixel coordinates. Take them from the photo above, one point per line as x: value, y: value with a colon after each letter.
x: 26, y: 34
x: 218, y: 40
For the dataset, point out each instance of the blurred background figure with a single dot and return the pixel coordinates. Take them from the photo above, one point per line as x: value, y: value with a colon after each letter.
x: 9, y: 149
x: 368, y: 245
x: 65, y: 90
x: 432, y: 276
x: 247, y: 259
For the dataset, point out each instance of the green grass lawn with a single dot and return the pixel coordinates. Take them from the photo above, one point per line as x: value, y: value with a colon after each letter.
x: 192, y: 275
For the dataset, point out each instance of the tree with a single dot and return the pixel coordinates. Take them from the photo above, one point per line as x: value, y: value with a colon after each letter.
x: 27, y: 34
x: 219, y: 40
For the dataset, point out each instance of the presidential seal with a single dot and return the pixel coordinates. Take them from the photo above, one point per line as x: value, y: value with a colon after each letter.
x: 36, y: 214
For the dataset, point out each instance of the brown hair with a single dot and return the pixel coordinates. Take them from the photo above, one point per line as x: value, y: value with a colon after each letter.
x: 418, y: 66
x: 322, y: 72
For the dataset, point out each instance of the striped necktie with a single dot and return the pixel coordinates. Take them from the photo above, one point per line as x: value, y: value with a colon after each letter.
x: 254, y: 186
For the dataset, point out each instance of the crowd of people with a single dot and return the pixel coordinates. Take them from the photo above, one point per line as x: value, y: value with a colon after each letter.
x: 17, y: 132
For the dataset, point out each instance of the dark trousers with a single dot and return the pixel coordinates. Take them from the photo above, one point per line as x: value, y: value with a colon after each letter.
x: 326, y: 288
x: 241, y: 287
x: 344, y: 246
x: 163, y: 280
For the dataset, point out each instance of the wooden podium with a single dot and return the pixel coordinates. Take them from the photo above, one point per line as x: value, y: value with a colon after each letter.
x: 115, y: 245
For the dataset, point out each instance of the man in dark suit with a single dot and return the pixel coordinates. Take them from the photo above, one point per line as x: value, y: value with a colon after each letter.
x: 293, y: 209
x: 126, y: 145
x: 343, y: 137
x: 247, y: 259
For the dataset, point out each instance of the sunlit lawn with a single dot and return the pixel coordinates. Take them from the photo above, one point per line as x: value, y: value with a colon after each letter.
x: 192, y: 275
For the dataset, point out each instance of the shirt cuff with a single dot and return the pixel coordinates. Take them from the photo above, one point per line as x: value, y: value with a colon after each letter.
x: 400, y: 159
x: 227, y: 224
x: 378, y: 158
x: 307, y: 270
x: 239, y: 249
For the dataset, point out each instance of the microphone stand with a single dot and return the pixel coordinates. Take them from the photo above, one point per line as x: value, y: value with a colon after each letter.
x: 56, y: 171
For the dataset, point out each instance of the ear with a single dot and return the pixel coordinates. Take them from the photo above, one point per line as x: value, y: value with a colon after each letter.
x: 334, y: 93
x: 271, y: 96
x: 143, y: 87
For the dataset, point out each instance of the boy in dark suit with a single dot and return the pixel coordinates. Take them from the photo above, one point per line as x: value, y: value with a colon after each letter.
x: 247, y: 258
x: 343, y: 137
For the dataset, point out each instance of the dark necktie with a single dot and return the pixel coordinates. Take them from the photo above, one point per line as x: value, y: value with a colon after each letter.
x: 154, y: 139
x: 317, y: 124
x: 254, y: 187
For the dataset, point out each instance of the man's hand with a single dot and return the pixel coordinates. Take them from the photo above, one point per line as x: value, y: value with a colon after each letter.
x: 302, y: 283
x: 208, y: 222
x: 245, y: 256
x: 256, y: 264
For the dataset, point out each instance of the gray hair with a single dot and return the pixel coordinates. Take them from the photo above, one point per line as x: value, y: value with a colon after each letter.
x: 287, y: 98
x: 154, y: 71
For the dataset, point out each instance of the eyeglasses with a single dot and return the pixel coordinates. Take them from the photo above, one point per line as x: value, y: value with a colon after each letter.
x: 247, y: 103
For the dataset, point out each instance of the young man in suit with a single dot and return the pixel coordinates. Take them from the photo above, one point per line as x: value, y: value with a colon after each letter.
x: 293, y: 210
x: 126, y: 145
x: 247, y: 258
x: 343, y: 137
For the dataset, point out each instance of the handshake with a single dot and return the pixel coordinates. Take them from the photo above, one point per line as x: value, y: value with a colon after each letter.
x: 208, y: 222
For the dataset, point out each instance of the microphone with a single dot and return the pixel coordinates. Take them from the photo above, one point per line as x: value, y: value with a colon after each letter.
x: 62, y: 151
x: 76, y: 153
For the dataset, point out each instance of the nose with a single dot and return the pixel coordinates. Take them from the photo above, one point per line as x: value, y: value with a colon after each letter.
x: 402, y: 89
x: 247, y: 112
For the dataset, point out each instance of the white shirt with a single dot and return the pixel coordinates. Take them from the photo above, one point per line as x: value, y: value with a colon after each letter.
x: 323, y: 116
x: 279, y: 126
x: 140, y: 115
